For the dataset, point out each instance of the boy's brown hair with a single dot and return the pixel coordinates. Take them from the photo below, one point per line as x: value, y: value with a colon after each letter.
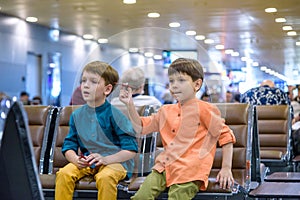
x: 107, y: 72
x: 187, y: 66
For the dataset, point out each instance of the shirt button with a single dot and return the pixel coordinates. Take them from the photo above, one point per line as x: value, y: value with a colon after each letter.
x: 163, y: 163
x: 167, y: 158
x: 178, y: 115
x: 171, y: 143
x: 199, y: 124
x: 173, y: 130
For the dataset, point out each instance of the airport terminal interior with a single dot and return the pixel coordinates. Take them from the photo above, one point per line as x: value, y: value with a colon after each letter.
x: 239, y: 44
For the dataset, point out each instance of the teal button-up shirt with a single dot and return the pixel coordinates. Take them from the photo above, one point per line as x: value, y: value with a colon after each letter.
x: 104, y: 130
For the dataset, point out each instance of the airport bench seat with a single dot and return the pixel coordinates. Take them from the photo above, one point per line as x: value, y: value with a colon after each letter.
x: 57, y: 160
x: 275, y: 136
x: 238, y: 116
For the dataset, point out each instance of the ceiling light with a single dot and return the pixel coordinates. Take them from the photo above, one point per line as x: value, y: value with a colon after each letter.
x: 280, y: 20
x: 200, y: 37
x: 31, y: 19
x: 153, y: 15
x: 255, y: 64
x: 148, y: 54
x: 102, y: 40
x: 157, y: 57
x: 129, y: 1
x: 287, y: 28
x: 219, y: 46
x: 263, y: 68
x: 209, y: 41
x: 298, y: 43
x: 228, y: 51
x: 244, y: 58
x: 235, y: 54
x: 270, y: 10
x: 190, y: 32
x: 174, y: 24
x: 292, y: 33
x: 88, y: 36
x: 133, y: 50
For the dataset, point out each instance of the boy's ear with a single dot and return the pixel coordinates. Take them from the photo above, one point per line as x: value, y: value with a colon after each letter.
x: 108, y: 89
x: 198, y: 84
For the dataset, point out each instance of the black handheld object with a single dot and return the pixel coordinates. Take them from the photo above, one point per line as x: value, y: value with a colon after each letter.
x: 85, y: 152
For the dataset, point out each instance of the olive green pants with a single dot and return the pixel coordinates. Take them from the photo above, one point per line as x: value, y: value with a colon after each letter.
x: 155, y: 183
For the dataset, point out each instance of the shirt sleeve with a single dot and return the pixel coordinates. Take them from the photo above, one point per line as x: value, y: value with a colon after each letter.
x: 226, y: 136
x: 216, y: 126
x: 71, y: 141
x: 125, y: 132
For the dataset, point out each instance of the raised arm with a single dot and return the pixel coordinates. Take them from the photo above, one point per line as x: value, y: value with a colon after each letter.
x: 126, y: 97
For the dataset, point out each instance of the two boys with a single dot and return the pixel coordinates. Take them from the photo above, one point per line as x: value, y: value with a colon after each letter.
x: 189, y: 130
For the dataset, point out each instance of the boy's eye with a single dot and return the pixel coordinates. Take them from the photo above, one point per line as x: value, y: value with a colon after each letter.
x: 83, y: 81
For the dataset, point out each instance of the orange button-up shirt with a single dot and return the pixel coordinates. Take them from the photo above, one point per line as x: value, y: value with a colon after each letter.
x: 189, y: 134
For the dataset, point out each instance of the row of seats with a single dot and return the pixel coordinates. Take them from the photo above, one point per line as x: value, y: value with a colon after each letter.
x: 257, y: 130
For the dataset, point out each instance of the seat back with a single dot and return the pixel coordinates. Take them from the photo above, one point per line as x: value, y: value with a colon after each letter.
x: 274, y: 128
x: 57, y: 159
x: 39, y: 120
x: 144, y: 160
x: 239, y: 117
x: 18, y: 165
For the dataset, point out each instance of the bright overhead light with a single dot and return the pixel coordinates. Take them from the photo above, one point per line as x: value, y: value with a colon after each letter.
x: 153, y: 15
x: 88, y: 36
x: 31, y: 19
x: 244, y: 58
x: 102, y: 40
x: 287, y: 28
x: 255, y: 64
x: 157, y: 57
x: 270, y: 10
x: 298, y: 43
x: 235, y: 54
x: 228, y: 51
x: 129, y: 1
x: 263, y: 68
x: 148, y: 54
x: 209, y: 41
x: 190, y: 33
x: 174, y: 24
x: 200, y: 37
x: 133, y: 50
x: 280, y: 20
x: 291, y: 33
x: 219, y: 46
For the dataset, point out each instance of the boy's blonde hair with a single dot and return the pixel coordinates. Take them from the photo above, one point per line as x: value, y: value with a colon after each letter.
x: 187, y: 66
x: 107, y: 72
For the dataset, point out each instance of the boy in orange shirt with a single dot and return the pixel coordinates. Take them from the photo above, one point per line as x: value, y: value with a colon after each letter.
x: 190, y: 131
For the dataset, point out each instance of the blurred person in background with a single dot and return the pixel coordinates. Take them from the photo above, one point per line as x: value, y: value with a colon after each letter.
x: 24, y: 98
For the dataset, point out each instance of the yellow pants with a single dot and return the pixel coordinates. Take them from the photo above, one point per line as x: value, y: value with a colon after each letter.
x: 107, y: 178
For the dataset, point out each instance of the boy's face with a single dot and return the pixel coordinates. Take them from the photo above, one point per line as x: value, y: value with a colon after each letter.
x: 93, y: 89
x: 182, y: 87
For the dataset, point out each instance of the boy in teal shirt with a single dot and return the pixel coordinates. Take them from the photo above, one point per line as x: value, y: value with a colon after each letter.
x: 102, y: 133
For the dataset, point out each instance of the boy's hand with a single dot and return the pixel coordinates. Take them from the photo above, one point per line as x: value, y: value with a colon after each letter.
x: 225, y: 178
x: 96, y: 159
x: 125, y: 93
x: 82, y: 162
